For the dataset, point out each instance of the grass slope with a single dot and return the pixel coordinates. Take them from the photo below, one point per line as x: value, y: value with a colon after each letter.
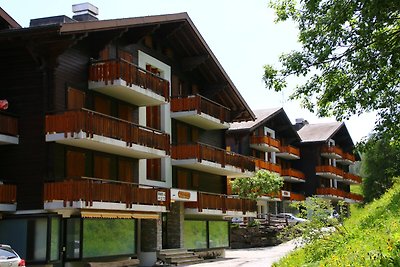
x: 372, y: 238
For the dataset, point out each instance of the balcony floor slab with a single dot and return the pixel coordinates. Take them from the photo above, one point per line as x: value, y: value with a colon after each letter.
x: 106, y: 144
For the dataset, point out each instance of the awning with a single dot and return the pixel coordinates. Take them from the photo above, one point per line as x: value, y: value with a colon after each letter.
x: 119, y: 215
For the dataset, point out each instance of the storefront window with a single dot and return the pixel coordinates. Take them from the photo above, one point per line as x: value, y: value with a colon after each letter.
x: 73, y: 238
x: 108, y: 237
x: 55, y: 239
x: 38, y: 237
x: 195, y: 234
x: 218, y: 234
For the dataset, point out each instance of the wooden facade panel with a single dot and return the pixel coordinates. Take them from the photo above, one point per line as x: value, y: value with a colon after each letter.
x: 75, y: 164
x: 71, y: 71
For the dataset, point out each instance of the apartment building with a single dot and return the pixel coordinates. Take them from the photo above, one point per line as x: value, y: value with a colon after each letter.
x: 113, y: 143
x: 312, y: 159
x: 273, y: 142
x: 326, y: 156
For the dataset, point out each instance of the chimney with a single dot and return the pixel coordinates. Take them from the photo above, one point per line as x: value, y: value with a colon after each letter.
x: 300, y: 122
x: 85, y: 12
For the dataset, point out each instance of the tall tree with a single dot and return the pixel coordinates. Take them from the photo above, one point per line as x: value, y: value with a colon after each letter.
x: 380, y: 164
x: 350, y: 58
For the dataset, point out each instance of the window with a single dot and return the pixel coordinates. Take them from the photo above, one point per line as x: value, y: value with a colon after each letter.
x: 38, y: 237
x: 73, y: 243
x: 195, y: 234
x: 206, y: 234
x: 108, y: 237
x: 218, y: 234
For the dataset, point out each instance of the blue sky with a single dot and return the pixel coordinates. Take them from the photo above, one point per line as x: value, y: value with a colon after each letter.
x: 242, y: 35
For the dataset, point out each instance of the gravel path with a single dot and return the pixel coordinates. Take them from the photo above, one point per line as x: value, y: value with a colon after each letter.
x: 252, y: 257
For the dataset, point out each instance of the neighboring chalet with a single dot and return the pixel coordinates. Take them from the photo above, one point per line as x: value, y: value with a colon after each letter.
x: 326, y: 156
x: 272, y: 140
x: 115, y: 131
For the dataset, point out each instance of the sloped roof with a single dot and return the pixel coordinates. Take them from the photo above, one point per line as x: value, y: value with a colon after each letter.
x: 6, y: 21
x: 191, y: 43
x: 174, y: 30
x: 262, y: 115
x: 319, y: 132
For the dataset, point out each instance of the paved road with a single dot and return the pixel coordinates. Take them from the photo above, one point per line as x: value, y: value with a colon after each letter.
x: 253, y: 257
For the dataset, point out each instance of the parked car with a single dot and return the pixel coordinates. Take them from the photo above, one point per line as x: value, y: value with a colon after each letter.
x: 10, y: 258
x: 291, y: 218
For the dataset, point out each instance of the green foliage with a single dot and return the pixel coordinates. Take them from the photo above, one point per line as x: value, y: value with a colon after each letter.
x: 320, y: 222
x: 372, y: 238
x: 350, y: 58
x: 262, y: 183
x: 381, y: 162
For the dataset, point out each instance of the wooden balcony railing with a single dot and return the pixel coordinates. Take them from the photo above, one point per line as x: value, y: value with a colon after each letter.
x: 290, y: 149
x: 329, y: 169
x: 266, y: 165
x: 332, y: 150
x: 90, y: 190
x: 293, y: 173
x: 93, y: 122
x: 268, y: 140
x: 349, y: 156
x: 200, y: 104
x: 339, y: 193
x: 297, y: 197
x: 8, y: 194
x: 109, y: 70
x: 222, y: 202
x: 8, y: 125
x: 293, y: 196
x: 352, y: 177
x: 355, y: 197
x: 331, y: 191
x: 201, y: 152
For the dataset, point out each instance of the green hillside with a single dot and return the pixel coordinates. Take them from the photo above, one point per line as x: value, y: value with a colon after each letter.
x: 372, y: 238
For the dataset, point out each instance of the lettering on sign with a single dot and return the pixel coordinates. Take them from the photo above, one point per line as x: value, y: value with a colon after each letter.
x: 184, y: 194
x: 161, y: 196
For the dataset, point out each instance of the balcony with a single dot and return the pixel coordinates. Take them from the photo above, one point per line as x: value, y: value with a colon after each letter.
x: 297, y: 197
x: 354, y: 198
x: 123, y: 80
x: 8, y: 129
x: 332, y: 152
x: 92, y: 130
x: 8, y: 197
x: 211, y: 159
x: 292, y: 175
x: 201, y: 112
x: 97, y: 194
x: 266, y: 165
x: 347, y: 159
x: 218, y: 204
x: 265, y: 143
x: 288, y: 152
x: 330, y: 172
x: 350, y: 178
x: 337, y: 194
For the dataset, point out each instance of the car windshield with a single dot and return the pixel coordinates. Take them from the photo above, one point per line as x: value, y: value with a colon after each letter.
x: 7, y: 253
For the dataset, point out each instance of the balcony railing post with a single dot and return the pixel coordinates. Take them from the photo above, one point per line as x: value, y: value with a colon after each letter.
x: 199, y: 202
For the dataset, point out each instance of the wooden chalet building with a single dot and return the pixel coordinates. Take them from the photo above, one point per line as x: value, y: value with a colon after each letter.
x: 113, y: 145
x: 326, y: 157
x: 273, y: 142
